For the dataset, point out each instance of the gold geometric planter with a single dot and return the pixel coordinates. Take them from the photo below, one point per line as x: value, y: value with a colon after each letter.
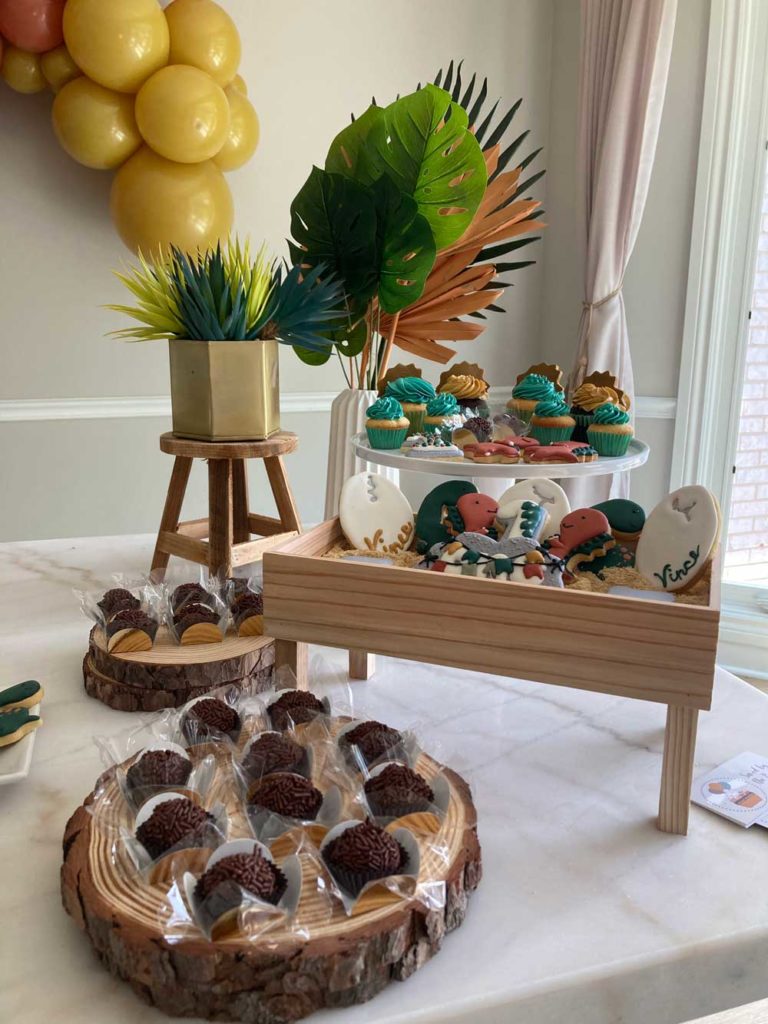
x: 225, y: 390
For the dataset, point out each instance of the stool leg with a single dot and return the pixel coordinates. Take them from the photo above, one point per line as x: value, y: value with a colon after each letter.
x: 278, y: 481
x: 294, y: 656
x: 362, y: 664
x: 220, y: 516
x: 172, y: 511
x: 241, y: 529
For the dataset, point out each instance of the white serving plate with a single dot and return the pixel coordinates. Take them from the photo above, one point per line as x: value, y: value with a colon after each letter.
x: 16, y: 760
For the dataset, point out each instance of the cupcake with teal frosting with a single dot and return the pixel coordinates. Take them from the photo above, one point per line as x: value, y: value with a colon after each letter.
x: 551, y: 420
x: 527, y: 393
x: 610, y: 431
x: 412, y: 393
x: 386, y: 425
x: 442, y: 411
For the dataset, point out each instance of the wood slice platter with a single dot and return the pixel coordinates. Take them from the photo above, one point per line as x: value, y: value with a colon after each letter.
x: 275, y: 978
x: 169, y: 675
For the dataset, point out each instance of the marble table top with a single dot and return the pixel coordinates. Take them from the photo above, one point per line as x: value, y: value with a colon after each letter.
x: 586, y: 913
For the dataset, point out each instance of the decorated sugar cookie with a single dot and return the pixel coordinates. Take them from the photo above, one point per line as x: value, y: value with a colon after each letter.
x: 22, y: 695
x: 679, y: 538
x: 429, y: 527
x: 583, y: 538
x: 472, y: 513
x: 375, y: 514
x: 546, y: 493
x: 626, y: 519
x: 15, y: 725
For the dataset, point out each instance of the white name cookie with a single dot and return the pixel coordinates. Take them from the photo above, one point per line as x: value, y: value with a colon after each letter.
x: 679, y: 538
x: 375, y: 514
x: 546, y: 493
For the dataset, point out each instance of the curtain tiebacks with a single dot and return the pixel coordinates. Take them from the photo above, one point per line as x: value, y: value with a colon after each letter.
x: 589, y: 307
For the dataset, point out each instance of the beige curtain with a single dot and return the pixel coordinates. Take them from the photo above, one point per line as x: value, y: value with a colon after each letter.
x: 625, y: 52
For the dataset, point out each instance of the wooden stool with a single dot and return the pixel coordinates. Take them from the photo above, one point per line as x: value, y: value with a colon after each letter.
x: 223, y: 540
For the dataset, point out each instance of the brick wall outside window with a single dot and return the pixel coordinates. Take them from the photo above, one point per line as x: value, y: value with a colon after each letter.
x: 746, y: 558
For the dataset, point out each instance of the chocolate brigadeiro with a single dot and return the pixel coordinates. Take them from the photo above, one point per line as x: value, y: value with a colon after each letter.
x: 398, y: 790
x: 295, y: 707
x: 172, y: 822
x: 221, y: 886
x: 156, y: 769
x: 373, y: 741
x: 362, y: 854
x: 246, y: 607
x: 211, y: 715
x: 116, y: 600
x: 191, y: 593
x: 132, y: 618
x: 292, y: 796
x: 272, y: 752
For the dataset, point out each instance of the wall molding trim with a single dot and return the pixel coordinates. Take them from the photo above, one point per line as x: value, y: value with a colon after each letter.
x: 30, y: 410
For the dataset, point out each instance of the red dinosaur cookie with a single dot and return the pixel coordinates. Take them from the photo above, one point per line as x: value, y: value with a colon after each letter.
x: 492, y: 451
x: 549, y: 453
x: 584, y: 535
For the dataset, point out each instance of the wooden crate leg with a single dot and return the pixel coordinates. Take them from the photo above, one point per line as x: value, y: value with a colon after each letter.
x: 278, y: 481
x: 362, y: 665
x: 172, y: 511
x: 294, y: 656
x: 677, y: 769
x: 220, y: 516
x: 241, y: 530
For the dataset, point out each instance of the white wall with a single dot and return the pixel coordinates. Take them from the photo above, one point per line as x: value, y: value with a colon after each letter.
x: 308, y: 66
x: 655, y: 282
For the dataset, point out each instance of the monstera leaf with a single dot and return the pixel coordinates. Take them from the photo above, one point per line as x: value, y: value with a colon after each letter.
x: 423, y: 144
x: 348, y: 154
x: 348, y: 342
x: 406, y: 247
x: 333, y: 221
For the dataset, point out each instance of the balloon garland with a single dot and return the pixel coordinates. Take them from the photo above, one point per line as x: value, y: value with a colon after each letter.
x: 152, y: 93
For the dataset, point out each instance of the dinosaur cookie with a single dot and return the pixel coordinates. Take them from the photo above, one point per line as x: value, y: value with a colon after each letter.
x: 517, y: 559
x: 553, y: 453
x: 491, y: 452
x: 472, y: 513
x: 626, y: 519
x: 22, y: 695
x: 679, y: 538
x: 522, y: 519
x: 375, y: 514
x: 583, y: 537
x: 429, y: 528
x: 14, y: 725
x: 546, y: 493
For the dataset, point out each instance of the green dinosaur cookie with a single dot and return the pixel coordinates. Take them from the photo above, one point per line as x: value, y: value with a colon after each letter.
x: 626, y: 518
x: 14, y: 725
x: 22, y: 695
x: 429, y: 529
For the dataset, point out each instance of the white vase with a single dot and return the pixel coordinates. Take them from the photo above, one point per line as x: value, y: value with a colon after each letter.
x: 348, y: 415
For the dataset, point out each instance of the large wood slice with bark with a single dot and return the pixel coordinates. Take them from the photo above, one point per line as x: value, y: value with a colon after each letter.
x: 169, y: 675
x: 277, y: 978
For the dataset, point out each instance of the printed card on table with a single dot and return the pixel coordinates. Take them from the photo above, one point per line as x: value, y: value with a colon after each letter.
x: 737, y: 790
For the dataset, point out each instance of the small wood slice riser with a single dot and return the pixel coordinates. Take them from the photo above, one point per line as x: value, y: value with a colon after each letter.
x: 279, y: 979
x: 170, y: 675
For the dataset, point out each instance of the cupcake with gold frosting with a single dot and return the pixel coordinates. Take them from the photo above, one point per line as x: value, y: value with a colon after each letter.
x: 551, y: 420
x: 386, y: 425
x: 610, y: 431
x: 469, y: 391
x: 527, y: 393
x: 584, y: 400
x: 412, y: 393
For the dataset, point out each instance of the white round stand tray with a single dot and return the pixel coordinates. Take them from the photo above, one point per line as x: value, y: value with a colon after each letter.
x: 637, y: 455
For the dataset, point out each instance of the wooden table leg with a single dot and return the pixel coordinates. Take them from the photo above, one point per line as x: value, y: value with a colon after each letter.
x: 677, y: 769
x: 220, y: 516
x: 278, y: 481
x: 295, y: 656
x: 241, y: 530
x: 362, y: 665
x: 172, y: 511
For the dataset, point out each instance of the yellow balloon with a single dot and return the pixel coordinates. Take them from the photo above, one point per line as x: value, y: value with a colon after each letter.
x: 96, y: 126
x: 59, y: 68
x: 204, y: 35
x: 156, y: 203
x: 117, y: 43
x: 22, y: 71
x: 182, y: 114
x: 239, y: 83
x: 243, y: 137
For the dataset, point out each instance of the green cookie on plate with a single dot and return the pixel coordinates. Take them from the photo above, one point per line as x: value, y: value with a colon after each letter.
x: 22, y: 695
x: 14, y: 725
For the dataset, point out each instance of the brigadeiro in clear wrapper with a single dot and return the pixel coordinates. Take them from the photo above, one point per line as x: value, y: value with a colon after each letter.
x: 295, y: 707
x: 221, y: 887
x: 157, y: 770
x: 370, y: 742
x: 397, y: 790
x: 188, y: 594
x: 130, y: 630
x: 171, y: 823
x: 208, y: 718
x: 363, y: 853
x: 116, y: 600
x: 286, y: 794
x: 273, y: 752
x: 248, y: 614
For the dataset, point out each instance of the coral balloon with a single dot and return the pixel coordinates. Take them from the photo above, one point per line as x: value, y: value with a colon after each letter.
x: 182, y: 114
x: 117, y: 43
x: 22, y: 71
x: 96, y: 126
x: 32, y: 25
x: 59, y: 68
x: 204, y: 35
x: 243, y: 137
x: 157, y: 203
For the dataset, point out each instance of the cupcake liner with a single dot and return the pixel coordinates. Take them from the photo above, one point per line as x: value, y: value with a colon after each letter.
x: 522, y: 408
x: 550, y: 435
x: 416, y: 414
x: 381, y: 437
x: 583, y: 422
x: 608, y: 443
